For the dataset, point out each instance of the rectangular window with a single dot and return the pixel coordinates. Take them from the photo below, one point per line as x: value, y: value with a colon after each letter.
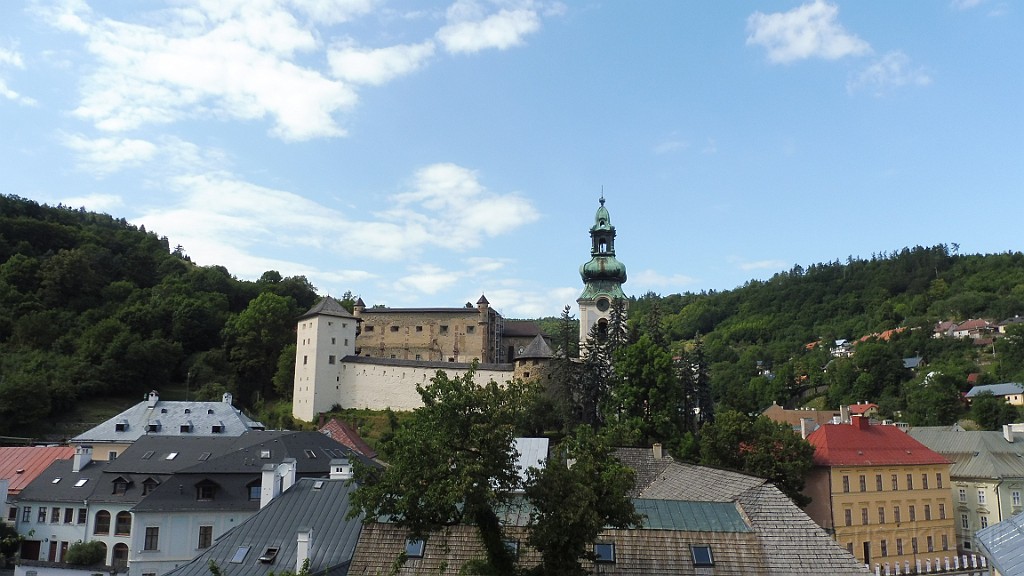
x: 848, y: 516
x: 419, y: 328
x: 112, y: 455
x: 205, y: 537
x: 924, y: 481
x: 54, y: 515
x: 864, y: 516
x: 331, y: 359
x: 885, y: 548
x: 910, y: 481
x: 152, y: 541
x: 334, y: 341
x: 604, y: 552
x: 26, y: 514
x: 895, y: 483
x: 42, y: 515
x: 12, y: 514
x: 702, y: 556
x: 938, y: 479
x: 964, y: 523
x: 981, y: 495
x: 927, y: 512
x: 81, y: 516
x: 963, y: 495
x: 945, y: 542
x: 881, y: 514
x: 931, y: 544
x: 443, y: 329
x: 878, y: 482
x: 205, y: 491
x: 394, y: 328
x: 368, y: 328
x: 896, y: 514
x: 305, y: 360
x: 942, y: 511
x: 470, y: 329
x: 846, y: 483
x: 69, y: 515
x: 239, y: 556
x: 984, y: 521
x: 913, y: 513
x: 1016, y: 497
x: 913, y: 544
x: 863, y: 483
x: 414, y: 548
x: 899, y: 546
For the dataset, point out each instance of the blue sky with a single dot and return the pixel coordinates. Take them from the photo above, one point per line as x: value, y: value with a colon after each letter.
x: 420, y: 153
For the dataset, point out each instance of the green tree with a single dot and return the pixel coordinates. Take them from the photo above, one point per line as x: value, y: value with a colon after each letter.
x: 760, y: 447
x: 452, y: 462
x: 86, y: 553
x: 991, y: 412
x: 646, y: 400
x: 581, y: 490
x: 932, y: 400
x: 254, y: 340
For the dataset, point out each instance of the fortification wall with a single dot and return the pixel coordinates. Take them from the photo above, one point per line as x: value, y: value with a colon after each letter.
x: 378, y: 385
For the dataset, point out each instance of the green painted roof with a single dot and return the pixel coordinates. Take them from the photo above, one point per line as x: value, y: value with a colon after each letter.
x: 691, y: 516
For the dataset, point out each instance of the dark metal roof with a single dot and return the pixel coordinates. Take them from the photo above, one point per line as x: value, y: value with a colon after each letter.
x: 691, y: 516
x: 1003, y: 544
x: 538, y: 348
x: 328, y: 307
x: 319, y: 505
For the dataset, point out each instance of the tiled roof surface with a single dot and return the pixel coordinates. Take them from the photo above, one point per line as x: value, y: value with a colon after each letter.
x: 876, y: 445
x: 1004, y: 389
x: 20, y: 465
x: 167, y: 418
x: 538, y: 348
x: 57, y: 483
x: 347, y: 435
x: 861, y: 408
x: 975, y: 454
x: 319, y: 505
x: 521, y: 328
x: 793, y: 417
x: 328, y: 306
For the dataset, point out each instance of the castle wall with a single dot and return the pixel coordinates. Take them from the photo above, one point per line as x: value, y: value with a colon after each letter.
x: 440, y: 335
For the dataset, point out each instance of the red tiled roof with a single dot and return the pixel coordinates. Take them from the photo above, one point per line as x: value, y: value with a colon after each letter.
x: 21, y: 464
x: 348, y: 436
x: 861, y: 408
x: 875, y: 445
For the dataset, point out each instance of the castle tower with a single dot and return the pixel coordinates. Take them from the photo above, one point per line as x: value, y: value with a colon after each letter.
x: 323, y: 337
x: 603, y: 276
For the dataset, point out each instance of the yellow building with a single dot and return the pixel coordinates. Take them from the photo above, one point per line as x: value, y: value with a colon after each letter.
x: 883, y: 495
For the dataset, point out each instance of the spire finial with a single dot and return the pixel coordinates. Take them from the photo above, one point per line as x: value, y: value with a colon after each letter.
x: 602, y: 195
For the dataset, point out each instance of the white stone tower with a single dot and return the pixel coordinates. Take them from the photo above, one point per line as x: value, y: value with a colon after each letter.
x: 324, y: 335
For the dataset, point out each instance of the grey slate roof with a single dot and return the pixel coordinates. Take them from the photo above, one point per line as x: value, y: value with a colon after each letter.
x: 975, y: 454
x: 328, y: 306
x: 166, y: 418
x: 790, y: 541
x: 320, y: 505
x: 1004, y: 389
x: 45, y: 489
x: 1003, y: 544
x: 538, y: 348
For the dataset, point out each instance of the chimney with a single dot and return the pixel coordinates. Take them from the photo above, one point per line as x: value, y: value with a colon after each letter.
x: 287, y: 472
x: 227, y: 398
x: 844, y: 413
x: 805, y: 427
x: 302, y: 548
x: 269, y: 487
x: 83, y: 455
x: 1008, y: 433
x: 152, y: 399
x: 658, y: 454
x: 341, y: 469
x: 860, y: 422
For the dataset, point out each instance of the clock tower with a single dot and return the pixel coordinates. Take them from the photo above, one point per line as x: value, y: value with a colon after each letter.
x: 603, y: 276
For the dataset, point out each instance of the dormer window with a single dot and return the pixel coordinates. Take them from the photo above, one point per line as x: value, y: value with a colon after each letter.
x: 209, y: 411
x: 121, y: 426
x: 217, y: 428
x: 148, y: 485
x: 206, y: 491
x: 154, y: 427
x: 186, y: 428
x: 268, y: 555
x: 120, y: 486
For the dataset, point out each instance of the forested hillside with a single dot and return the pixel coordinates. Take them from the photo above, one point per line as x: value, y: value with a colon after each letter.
x: 769, y: 341
x: 91, y: 306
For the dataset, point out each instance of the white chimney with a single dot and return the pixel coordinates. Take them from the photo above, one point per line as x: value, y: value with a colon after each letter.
x: 152, y: 399
x: 656, y: 448
x: 341, y: 469
x: 844, y: 414
x: 302, y: 548
x: 269, y: 486
x: 805, y: 427
x: 287, y: 472
x: 83, y: 455
x: 1008, y: 433
x: 227, y: 398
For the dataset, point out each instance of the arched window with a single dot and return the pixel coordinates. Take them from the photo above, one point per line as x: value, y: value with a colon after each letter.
x: 102, y: 523
x: 123, y: 524
x: 120, y: 558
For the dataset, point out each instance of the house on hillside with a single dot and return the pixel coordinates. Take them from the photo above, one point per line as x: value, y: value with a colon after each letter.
x: 882, y: 494
x: 1012, y: 392
x: 155, y: 417
x: 19, y: 466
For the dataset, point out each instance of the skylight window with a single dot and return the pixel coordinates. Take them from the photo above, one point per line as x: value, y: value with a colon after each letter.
x: 702, y: 556
x: 310, y: 453
x: 414, y: 548
x: 204, y: 456
x: 147, y: 455
x: 239, y: 556
x: 265, y: 453
x: 604, y: 552
x: 81, y: 482
x: 318, y: 484
x: 55, y: 480
x: 172, y: 456
x: 269, y: 555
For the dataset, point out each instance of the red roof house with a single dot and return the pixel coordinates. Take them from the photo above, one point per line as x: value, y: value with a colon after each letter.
x: 347, y: 435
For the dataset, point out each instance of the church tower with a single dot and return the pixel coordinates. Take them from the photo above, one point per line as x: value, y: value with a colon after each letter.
x: 603, y: 276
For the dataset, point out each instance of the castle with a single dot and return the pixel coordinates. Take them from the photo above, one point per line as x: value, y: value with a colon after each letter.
x: 374, y: 357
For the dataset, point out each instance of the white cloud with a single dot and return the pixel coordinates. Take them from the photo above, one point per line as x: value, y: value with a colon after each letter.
x: 12, y: 59
x: 103, y: 156
x: 808, y: 31
x: 651, y: 279
x: 762, y: 265
x: 331, y: 11
x: 103, y: 203
x: 428, y: 279
x: 378, y: 66
x: 469, y: 29
x: 891, y: 71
